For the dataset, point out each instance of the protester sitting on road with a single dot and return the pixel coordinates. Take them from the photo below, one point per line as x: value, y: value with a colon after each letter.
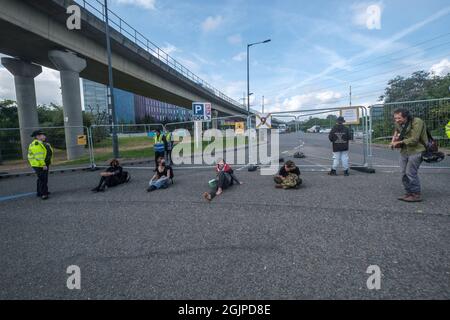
x: 288, y: 176
x: 225, y: 178
x: 163, y: 174
x: 112, y: 176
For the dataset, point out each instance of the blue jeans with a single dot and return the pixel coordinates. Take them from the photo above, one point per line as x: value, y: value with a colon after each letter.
x: 340, y: 156
x: 162, y: 182
x: 409, y: 165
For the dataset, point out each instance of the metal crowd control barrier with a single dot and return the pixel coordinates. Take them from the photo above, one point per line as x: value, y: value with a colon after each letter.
x: 68, y: 153
x: 318, y: 147
x: 237, y: 123
x: 434, y: 112
x: 135, y: 142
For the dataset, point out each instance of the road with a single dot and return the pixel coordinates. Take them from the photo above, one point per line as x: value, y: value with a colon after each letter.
x: 254, y: 242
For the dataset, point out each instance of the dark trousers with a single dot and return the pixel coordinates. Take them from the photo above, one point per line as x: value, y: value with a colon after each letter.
x: 169, y: 157
x: 110, y: 181
x: 42, y: 181
x: 223, y: 181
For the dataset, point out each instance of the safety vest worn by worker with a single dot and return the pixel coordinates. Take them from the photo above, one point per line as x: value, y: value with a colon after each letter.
x: 169, y: 140
x: 37, y: 152
x: 159, y: 144
x: 447, y: 129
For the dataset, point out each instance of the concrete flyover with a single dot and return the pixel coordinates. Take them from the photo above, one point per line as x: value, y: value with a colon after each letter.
x: 35, y: 33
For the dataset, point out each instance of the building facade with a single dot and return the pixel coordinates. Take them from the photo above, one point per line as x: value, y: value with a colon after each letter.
x: 131, y: 108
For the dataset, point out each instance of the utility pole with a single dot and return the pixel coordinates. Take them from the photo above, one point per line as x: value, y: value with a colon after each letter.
x: 262, y: 104
x: 350, y: 96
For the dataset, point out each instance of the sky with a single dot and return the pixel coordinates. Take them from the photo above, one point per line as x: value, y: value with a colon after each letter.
x: 318, y: 48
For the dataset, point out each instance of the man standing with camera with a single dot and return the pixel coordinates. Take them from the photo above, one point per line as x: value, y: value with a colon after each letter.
x: 410, y: 137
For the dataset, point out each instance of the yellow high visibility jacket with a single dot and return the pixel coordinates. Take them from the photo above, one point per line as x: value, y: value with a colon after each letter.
x: 37, y: 152
x: 447, y: 129
x: 159, y: 143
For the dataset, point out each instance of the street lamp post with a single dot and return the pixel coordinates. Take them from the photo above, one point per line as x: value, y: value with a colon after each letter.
x: 111, y: 106
x: 248, y: 71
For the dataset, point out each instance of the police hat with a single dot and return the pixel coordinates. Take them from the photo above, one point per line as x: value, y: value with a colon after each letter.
x: 36, y: 133
x: 340, y: 120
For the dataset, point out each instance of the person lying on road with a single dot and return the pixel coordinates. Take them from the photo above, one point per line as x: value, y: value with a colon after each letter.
x: 225, y: 178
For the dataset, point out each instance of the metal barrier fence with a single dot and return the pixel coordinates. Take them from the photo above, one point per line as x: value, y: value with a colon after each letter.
x: 68, y: 153
x: 135, y: 142
x: 434, y: 112
x: 185, y: 132
x: 316, y: 146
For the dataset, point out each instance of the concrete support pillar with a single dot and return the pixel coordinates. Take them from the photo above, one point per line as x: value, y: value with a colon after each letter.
x: 24, y: 74
x: 70, y: 66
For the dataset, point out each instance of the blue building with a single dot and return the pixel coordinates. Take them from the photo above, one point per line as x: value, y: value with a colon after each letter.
x: 131, y: 108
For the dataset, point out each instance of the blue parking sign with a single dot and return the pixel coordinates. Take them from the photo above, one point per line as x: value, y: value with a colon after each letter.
x: 198, y: 111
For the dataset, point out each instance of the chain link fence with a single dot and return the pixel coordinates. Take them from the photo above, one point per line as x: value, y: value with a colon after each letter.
x: 135, y: 142
x: 14, y: 149
x: 435, y: 113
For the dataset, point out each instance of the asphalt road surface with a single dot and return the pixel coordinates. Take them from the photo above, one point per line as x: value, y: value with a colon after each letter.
x: 254, y: 242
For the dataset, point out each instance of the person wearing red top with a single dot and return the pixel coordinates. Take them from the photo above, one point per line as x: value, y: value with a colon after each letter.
x: 224, y: 179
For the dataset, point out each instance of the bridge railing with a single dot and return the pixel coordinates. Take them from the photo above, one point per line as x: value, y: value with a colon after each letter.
x: 97, y: 8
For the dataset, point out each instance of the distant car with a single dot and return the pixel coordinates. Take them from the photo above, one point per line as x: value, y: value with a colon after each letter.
x: 325, y: 130
x: 313, y: 129
x: 282, y: 129
x: 358, y: 135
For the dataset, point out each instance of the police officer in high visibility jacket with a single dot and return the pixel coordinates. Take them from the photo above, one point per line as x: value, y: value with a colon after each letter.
x: 159, y: 145
x: 447, y: 130
x: 40, y: 156
x: 168, y: 147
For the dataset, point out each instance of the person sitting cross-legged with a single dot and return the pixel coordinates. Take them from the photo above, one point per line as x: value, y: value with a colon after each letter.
x: 288, y: 177
x: 162, y: 176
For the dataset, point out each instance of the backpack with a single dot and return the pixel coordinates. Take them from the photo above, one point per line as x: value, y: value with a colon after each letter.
x: 431, y: 153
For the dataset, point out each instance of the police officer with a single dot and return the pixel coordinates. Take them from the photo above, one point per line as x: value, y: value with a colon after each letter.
x: 168, y: 147
x: 159, y: 145
x: 40, y: 156
x: 447, y: 130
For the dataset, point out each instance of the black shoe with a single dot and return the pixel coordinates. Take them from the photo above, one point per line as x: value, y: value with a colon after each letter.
x: 44, y: 197
x: 346, y: 173
x: 151, y: 188
x: 95, y: 190
x: 332, y: 172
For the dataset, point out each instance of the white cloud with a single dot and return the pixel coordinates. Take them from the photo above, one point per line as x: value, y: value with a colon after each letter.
x: 146, y: 4
x: 333, y: 58
x: 441, y: 68
x: 211, y: 23
x: 170, y: 49
x: 310, y: 100
x: 241, y: 56
x: 47, y: 86
x: 235, y: 39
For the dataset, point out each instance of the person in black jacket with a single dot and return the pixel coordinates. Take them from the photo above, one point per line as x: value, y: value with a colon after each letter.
x: 112, y: 176
x: 340, y: 136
